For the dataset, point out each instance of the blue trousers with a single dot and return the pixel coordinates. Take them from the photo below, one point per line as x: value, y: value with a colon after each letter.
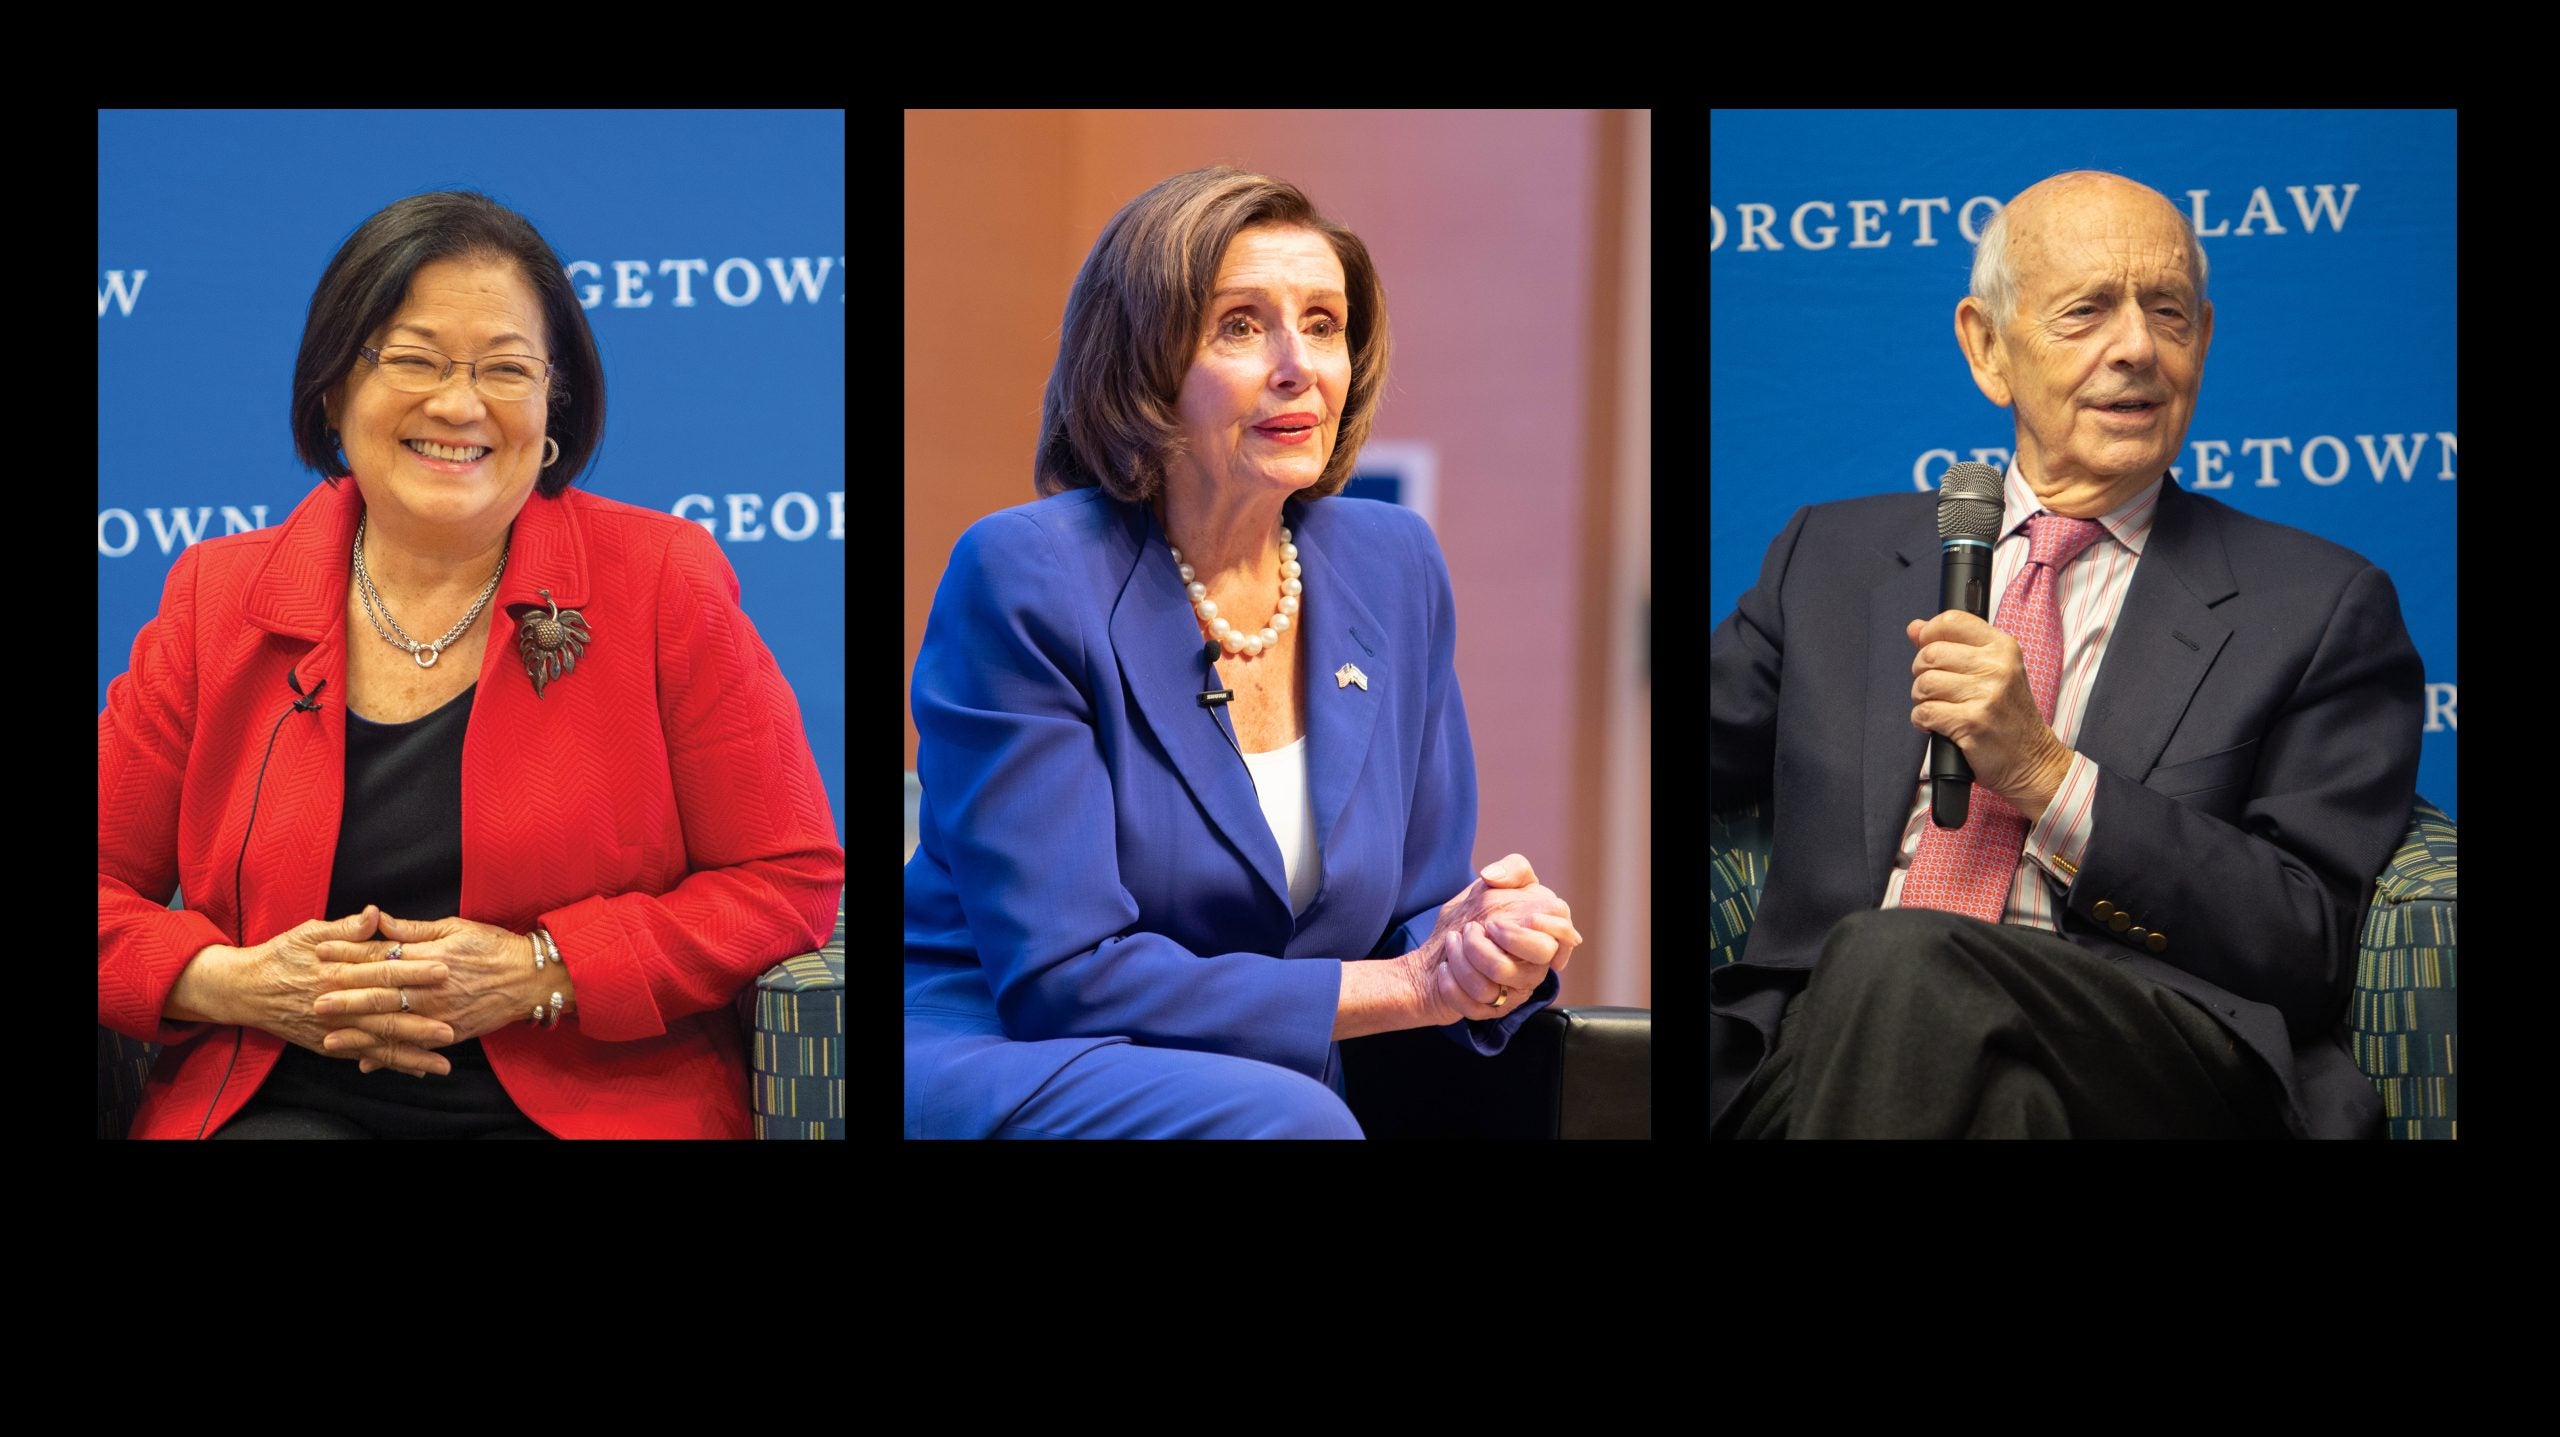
x: 1922, y: 1024
x: 1107, y: 1089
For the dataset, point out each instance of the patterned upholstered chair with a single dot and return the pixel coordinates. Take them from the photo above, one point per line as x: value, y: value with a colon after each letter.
x: 2403, y: 1018
x: 1568, y: 1073
x: 793, y: 1020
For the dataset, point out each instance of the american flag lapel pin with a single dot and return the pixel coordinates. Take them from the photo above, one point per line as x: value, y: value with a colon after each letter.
x: 1348, y: 675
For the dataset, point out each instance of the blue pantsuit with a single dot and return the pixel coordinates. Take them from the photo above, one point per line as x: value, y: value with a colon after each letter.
x: 1099, y: 936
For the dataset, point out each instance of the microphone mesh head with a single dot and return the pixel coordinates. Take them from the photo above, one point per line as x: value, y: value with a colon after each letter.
x: 1969, y: 503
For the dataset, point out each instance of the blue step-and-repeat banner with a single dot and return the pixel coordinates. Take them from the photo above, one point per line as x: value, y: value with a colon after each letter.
x: 1838, y: 244
x: 707, y: 248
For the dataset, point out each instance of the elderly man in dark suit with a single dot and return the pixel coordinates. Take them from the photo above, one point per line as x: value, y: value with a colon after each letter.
x: 2193, y: 734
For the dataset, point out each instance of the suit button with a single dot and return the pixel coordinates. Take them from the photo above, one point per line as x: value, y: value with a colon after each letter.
x: 2121, y: 921
x: 2157, y: 942
x: 2104, y: 910
x: 2137, y: 933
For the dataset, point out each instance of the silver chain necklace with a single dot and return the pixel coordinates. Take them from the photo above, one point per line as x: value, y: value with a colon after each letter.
x: 425, y: 654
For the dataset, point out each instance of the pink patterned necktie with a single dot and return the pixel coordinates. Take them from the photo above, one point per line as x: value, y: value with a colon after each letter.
x: 1970, y: 869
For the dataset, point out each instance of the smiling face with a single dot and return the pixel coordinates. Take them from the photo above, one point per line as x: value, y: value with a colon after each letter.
x: 466, y: 310
x: 2107, y: 311
x: 1261, y: 406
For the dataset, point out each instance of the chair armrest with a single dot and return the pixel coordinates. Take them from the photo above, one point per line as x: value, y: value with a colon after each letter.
x: 2405, y: 994
x: 1737, y: 870
x: 1568, y: 1073
x: 795, y: 1034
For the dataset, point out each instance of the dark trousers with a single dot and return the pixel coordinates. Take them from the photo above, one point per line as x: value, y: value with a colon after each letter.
x: 309, y: 1096
x: 1921, y: 1024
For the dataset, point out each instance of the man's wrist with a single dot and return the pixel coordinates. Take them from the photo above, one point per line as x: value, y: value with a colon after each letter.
x: 2048, y: 782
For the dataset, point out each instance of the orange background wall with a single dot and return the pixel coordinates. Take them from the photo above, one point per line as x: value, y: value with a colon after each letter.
x: 1504, y: 240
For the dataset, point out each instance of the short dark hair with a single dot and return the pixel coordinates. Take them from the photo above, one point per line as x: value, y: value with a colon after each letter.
x: 368, y: 279
x: 1132, y: 327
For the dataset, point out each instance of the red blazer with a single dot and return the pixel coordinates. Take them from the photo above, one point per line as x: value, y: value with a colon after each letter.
x: 657, y: 809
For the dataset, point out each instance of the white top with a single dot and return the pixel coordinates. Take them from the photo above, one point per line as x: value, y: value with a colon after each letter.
x: 1280, y: 781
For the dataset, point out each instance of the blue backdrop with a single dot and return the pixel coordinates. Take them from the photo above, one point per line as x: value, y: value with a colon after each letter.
x: 1839, y: 243
x: 708, y: 250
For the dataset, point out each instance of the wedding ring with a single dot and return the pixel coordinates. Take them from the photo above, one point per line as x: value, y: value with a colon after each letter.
x: 394, y: 954
x: 404, y: 1000
x: 1501, y: 996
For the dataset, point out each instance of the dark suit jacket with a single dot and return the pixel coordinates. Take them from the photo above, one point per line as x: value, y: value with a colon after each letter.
x: 2256, y: 731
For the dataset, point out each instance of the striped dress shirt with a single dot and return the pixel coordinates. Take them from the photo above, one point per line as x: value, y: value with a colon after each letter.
x: 2091, y: 591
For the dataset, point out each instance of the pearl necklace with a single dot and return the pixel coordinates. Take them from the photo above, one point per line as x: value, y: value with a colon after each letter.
x: 1233, y: 639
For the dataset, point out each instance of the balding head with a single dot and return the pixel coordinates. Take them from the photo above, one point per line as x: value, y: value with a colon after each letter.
x: 2088, y: 319
x: 2020, y: 236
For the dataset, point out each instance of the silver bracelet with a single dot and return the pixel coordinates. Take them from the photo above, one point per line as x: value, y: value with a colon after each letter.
x: 558, y: 1008
x: 533, y: 935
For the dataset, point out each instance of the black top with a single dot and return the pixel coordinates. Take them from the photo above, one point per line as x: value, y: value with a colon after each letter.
x: 400, y: 849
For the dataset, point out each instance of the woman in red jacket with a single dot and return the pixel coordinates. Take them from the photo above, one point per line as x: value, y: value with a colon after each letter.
x: 521, y: 737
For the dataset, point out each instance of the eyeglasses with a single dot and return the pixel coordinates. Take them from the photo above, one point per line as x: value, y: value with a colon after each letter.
x: 416, y: 369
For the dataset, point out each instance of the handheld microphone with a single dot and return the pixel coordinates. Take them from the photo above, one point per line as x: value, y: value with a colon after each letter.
x: 1968, y: 523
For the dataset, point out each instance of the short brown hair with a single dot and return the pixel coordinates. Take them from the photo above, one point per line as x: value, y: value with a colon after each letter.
x: 369, y: 277
x: 1133, y: 326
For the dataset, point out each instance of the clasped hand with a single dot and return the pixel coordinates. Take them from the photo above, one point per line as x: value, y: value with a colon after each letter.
x: 1505, y: 931
x: 334, y: 988
x: 1969, y: 682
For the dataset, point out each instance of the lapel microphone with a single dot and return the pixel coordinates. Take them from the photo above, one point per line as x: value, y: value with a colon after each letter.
x: 1211, y: 698
x: 308, y: 703
x: 304, y: 703
x: 1217, y: 696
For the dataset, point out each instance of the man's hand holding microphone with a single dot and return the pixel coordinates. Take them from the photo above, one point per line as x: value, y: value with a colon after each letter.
x: 1969, y: 688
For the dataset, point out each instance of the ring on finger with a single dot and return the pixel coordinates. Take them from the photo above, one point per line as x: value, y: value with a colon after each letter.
x: 404, y: 1000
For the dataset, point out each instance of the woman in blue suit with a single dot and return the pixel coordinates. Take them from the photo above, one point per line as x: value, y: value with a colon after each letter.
x: 1198, y: 792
